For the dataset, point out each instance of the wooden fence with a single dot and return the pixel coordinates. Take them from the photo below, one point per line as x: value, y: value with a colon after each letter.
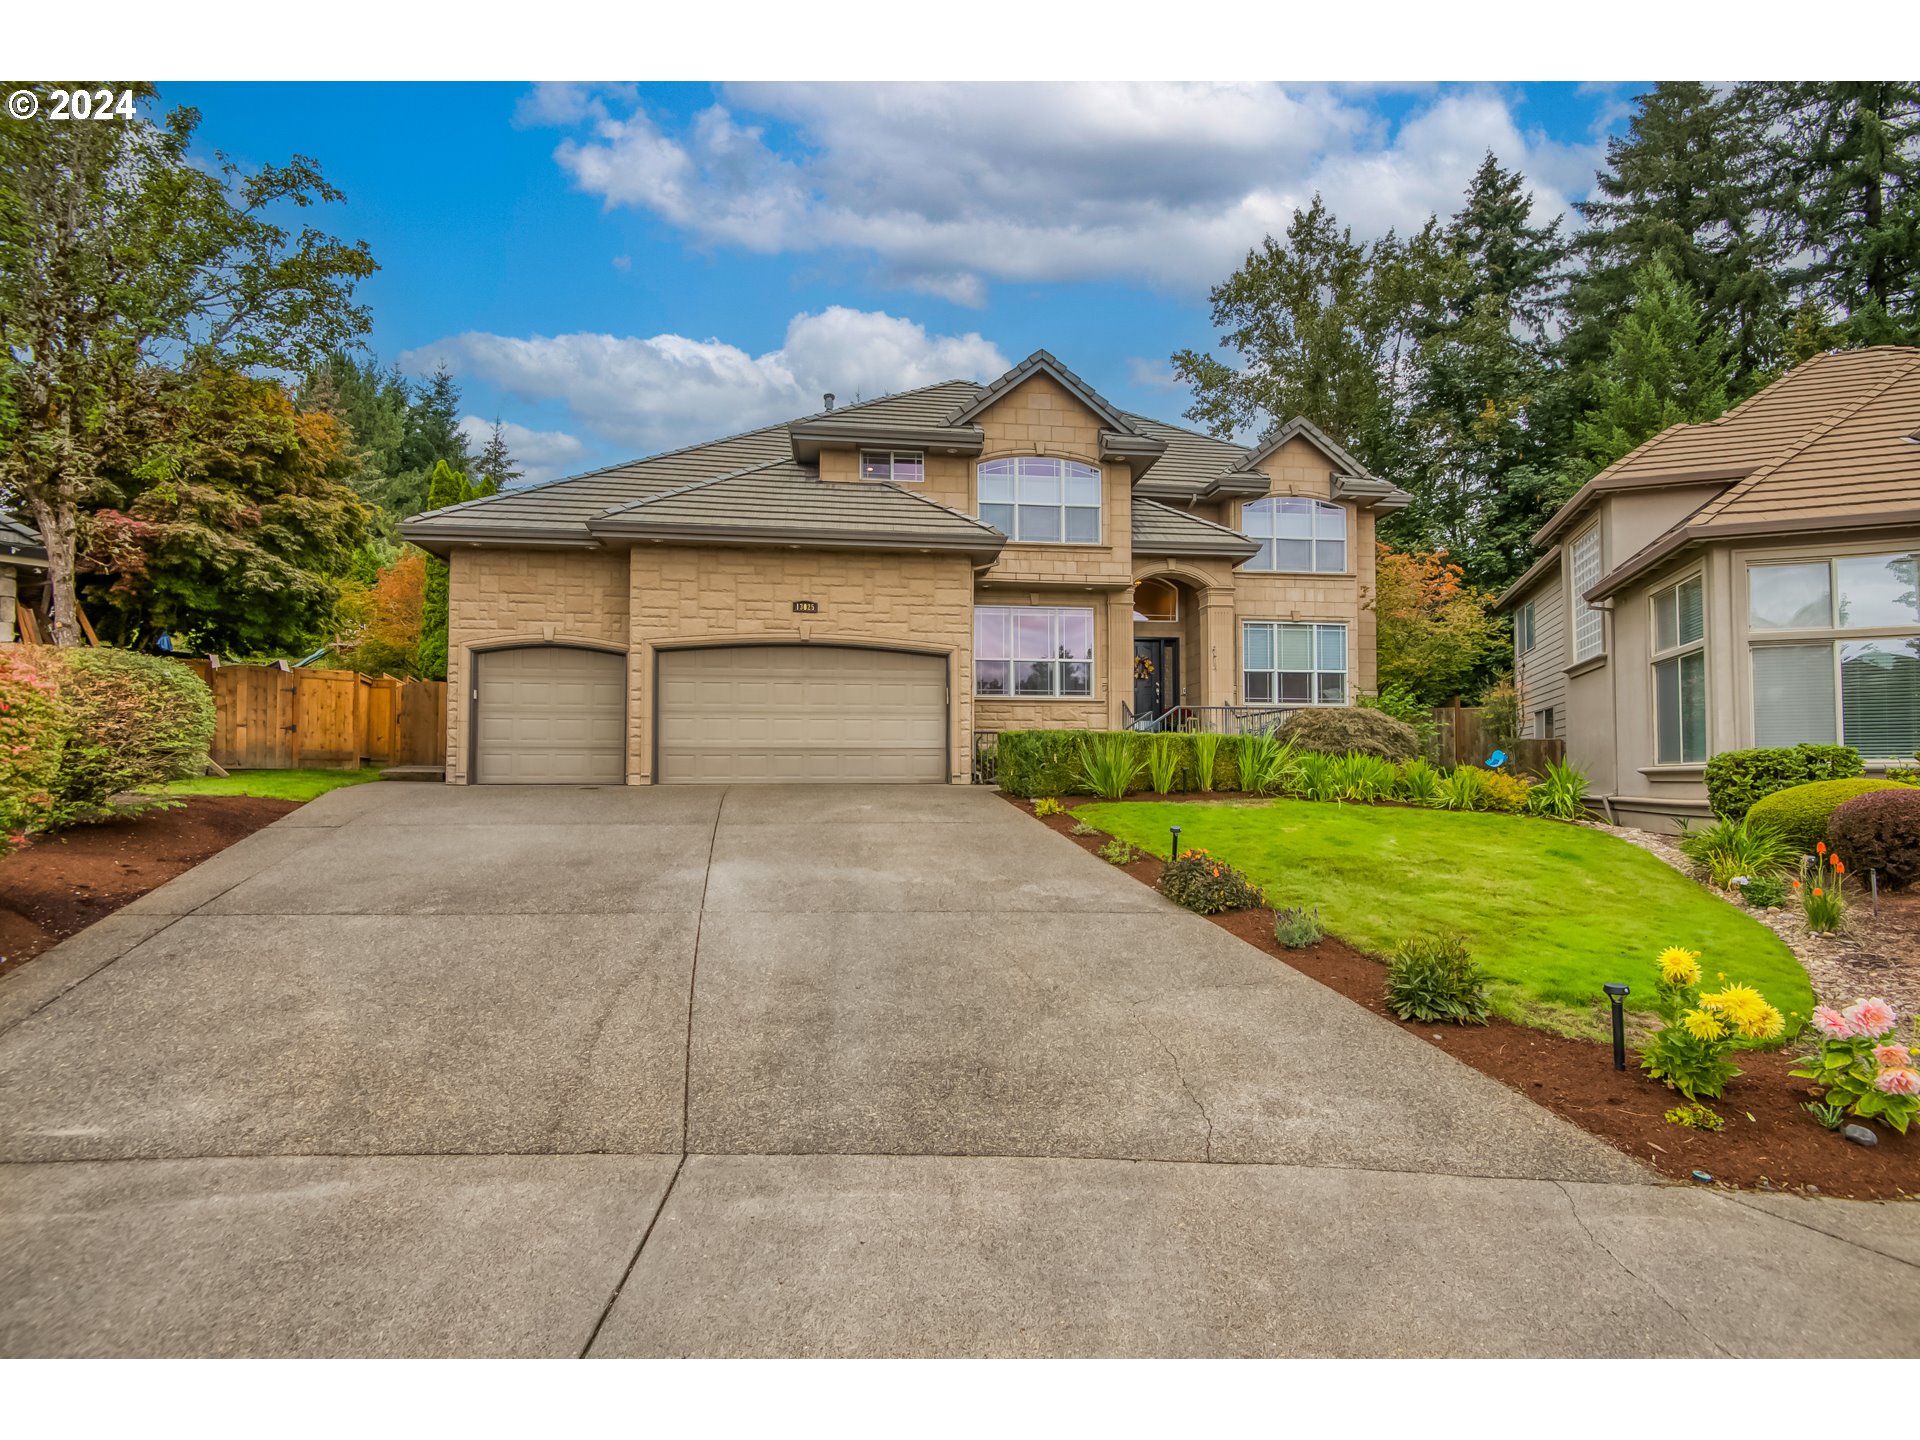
x: 1464, y: 739
x: 267, y: 718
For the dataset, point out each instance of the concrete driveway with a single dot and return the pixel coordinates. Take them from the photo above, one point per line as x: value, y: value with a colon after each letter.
x: 801, y: 1071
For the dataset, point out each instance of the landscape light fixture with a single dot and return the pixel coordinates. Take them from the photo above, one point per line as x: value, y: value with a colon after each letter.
x: 1617, y: 993
x: 1174, y: 854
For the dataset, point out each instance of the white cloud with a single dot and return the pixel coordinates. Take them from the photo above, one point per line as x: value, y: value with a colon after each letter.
x: 538, y: 454
x: 660, y: 391
x: 948, y: 186
x: 1152, y: 374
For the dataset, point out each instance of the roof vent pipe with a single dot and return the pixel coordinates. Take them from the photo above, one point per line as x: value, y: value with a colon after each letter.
x: 828, y: 398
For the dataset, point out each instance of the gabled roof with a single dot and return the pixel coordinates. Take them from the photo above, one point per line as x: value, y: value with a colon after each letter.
x: 1826, y: 447
x: 785, y: 503
x: 1305, y: 429
x: 20, y: 543
x: 1162, y: 530
x: 1041, y: 363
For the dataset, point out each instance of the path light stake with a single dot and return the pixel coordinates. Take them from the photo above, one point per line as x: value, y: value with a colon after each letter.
x: 1617, y: 993
x: 1175, y: 853
x: 1873, y: 880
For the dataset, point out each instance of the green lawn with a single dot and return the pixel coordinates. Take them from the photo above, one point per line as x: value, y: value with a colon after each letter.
x: 273, y: 784
x: 1552, y: 911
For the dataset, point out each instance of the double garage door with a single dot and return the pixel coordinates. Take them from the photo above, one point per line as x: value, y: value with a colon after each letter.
x: 737, y: 714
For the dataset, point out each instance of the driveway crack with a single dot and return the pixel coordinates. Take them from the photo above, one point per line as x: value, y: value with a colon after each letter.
x: 1179, y: 1073
x: 1651, y: 1288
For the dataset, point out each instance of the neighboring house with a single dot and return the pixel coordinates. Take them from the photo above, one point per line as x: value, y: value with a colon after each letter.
x: 858, y: 594
x: 1753, y: 581
x: 23, y: 577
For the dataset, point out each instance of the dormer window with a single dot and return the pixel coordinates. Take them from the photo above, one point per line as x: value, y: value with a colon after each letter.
x: 903, y: 467
x: 1038, y: 500
x: 1296, y: 534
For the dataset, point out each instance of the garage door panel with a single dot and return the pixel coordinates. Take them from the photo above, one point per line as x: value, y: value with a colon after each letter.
x: 801, y: 714
x: 550, y: 715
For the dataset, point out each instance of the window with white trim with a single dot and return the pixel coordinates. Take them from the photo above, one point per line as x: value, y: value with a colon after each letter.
x: 1035, y: 499
x: 1589, y: 624
x: 908, y: 467
x: 1680, y: 673
x: 1286, y: 663
x: 1835, y: 645
x: 1296, y: 533
x: 1523, y: 628
x: 1032, y: 652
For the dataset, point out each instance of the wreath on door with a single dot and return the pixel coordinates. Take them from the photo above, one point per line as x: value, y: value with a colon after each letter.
x: 1142, y: 668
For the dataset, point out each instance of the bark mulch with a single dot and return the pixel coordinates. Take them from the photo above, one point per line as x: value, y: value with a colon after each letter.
x: 61, y: 883
x: 1769, y: 1143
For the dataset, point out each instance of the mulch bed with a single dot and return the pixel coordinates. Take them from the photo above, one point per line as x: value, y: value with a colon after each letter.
x: 1779, y: 1148
x: 61, y: 883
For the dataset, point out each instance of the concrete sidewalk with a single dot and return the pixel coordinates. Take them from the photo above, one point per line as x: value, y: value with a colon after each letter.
x: 418, y: 1070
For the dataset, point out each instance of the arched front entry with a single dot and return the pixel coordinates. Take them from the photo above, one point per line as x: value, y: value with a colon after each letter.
x: 835, y: 714
x: 549, y: 715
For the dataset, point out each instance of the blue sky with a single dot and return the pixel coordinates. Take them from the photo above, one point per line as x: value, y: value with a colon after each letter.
x: 613, y: 270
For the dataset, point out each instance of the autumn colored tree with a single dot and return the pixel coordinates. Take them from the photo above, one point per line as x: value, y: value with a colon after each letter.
x: 383, y: 635
x: 1437, y: 635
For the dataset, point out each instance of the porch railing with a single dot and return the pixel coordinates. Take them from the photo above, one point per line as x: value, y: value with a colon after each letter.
x: 986, y: 757
x: 1207, y: 719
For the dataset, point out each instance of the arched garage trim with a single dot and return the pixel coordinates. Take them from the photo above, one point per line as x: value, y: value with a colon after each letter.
x: 477, y: 656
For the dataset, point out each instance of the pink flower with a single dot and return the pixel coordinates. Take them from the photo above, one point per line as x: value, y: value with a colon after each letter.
x: 1898, y: 1082
x: 1831, y: 1023
x: 1893, y: 1057
x: 1870, y: 1017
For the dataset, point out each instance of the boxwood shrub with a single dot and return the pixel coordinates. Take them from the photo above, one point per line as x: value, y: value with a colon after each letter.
x: 1738, y: 778
x: 1880, y: 831
x: 1800, y: 815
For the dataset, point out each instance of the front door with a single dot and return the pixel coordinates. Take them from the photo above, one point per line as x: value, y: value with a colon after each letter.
x: 1156, y: 677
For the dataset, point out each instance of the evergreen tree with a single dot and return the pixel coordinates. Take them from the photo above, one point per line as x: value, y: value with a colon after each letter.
x: 1517, y: 264
x: 495, y: 470
x: 446, y: 486
x: 1691, y: 183
x: 1848, y: 156
x: 1665, y: 366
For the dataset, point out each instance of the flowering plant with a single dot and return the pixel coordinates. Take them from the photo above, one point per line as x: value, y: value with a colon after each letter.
x: 1861, y: 1067
x: 1820, y: 894
x: 1690, y: 1053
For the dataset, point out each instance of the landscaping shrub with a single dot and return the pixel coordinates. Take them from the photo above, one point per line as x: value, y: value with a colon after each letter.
x: 1731, y: 848
x: 1362, y: 777
x: 1297, y: 927
x: 1047, y: 806
x: 1505, y: 791
x: 1267, y: 764
x: 1409, y: 709
x: 1033, y: 763
x: 1738, y: 778
x: 1434, y: 977
x: 1116, y: 852
x: 1764, y: 892
x: 1206, y: 750
x: 1500, y: 716
x: 1690, y: 1053
x: 1862, y: 1066
x: 1880, y: 831
x: 1799, y: 815
x: 1464, y: 788
x: 1345, y: 730
x: 135, y: 722
x: 1314, y: 778
x: 1822, y: 892
x: 1208, y: 886
x: 1419, y: 784
x: 33, y: 737
x: 1561, y: 794
x: 1108, y: 764
x: 1166, y: 755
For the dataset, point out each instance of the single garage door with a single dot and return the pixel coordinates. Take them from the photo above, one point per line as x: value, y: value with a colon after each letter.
x: 802, y: 713
x: 549, y: 715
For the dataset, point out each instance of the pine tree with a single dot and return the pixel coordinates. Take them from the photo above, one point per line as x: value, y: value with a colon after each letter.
x: 1665, y: 366
x: 1692, y: 183
x: 446, y: 486
x: 1509, y: 259
x: 495, y: 470
x: 1848, y: 156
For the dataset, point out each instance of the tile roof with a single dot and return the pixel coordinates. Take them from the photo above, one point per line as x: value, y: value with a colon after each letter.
x: 788, y: 503
x: 1162, y: 530
x: 20, y: 539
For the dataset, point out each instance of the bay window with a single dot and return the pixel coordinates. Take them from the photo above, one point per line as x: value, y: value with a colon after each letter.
x: 1032, y: 652
x: 1293, y: 664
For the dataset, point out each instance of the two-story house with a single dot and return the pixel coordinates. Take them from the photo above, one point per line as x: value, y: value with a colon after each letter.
x: 853, y: 596
x: 1752, y: 581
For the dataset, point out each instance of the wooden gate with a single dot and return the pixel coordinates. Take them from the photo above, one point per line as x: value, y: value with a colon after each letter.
x: 267, y: 718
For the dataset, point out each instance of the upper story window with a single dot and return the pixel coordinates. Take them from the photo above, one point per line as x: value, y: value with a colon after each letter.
x: 1589, y: 625
x: 1036, y: 499
x: 1523, y: 628
x: 906, y: 466
x: 1680, y: 673
x: 1033, y: 652
x: 1296, y: 534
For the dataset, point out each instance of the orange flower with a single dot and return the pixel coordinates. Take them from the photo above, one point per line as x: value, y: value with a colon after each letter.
x: 1818, y: 891
x: 1821, y: 848
x: 1796, y: 884
x: 1838, y: 868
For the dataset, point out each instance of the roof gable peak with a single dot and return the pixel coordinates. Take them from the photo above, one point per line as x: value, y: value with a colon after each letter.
x: 1041, y: 362
x: 1301, y: 428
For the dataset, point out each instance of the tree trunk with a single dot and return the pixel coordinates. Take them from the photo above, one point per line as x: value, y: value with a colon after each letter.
x: 58, y: 523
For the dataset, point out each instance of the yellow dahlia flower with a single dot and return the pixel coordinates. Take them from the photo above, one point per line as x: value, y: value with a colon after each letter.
x: 1679, y: 967
x: 1701, y: 1025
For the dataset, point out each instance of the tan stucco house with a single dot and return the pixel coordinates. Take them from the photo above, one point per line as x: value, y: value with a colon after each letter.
x: 858, y: 594
x: 1753, y: 581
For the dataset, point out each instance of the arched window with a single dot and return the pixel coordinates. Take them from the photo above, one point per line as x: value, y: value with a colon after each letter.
x: 1156, y: 600
x: 1037, y: 499
x: 1296, y: 534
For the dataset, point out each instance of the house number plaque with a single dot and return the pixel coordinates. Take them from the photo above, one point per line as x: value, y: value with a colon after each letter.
x: 806, y: 607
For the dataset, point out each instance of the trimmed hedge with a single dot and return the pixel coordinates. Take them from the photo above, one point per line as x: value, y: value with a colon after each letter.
x: 1800, y: 815
x: 1880, y: 831
x: 1736, y: 779
x: 1351, y: 730
x: 33, y: 737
